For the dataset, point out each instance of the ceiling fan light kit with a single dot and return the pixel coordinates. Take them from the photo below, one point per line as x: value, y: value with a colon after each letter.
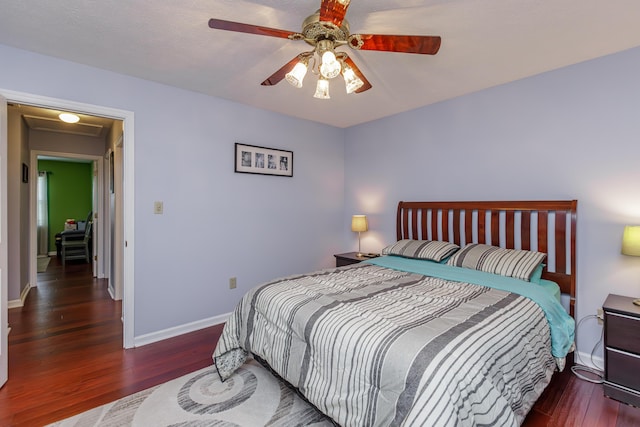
x: 295, y: 76
x: 351, y: 81
x: 322, y: 89
x: 326, y: 30
x: 330, y: 66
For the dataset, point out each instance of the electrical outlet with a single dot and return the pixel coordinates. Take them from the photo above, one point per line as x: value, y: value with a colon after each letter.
x: 600, y: 316
x: 158, y: 208
x: 232, y: 283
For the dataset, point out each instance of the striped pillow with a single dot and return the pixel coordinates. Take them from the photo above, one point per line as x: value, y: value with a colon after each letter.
x: 421, y: 249
x: 515, y: 263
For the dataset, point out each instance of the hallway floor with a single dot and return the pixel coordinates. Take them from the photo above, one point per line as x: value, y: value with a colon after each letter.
x: 66, y: 355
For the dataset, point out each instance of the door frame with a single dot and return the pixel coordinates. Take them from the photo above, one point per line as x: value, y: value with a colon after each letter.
x: 98, y: 268
x: 4, y: 257
x: 128, y: 211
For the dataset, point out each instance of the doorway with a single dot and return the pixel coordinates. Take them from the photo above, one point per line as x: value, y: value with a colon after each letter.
x: 67, y: 199
x: 127, y: 182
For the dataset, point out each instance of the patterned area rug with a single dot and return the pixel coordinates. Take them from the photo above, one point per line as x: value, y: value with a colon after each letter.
x: 251, y: 397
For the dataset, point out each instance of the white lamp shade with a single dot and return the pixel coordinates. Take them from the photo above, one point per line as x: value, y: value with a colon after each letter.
x: 359, y: 223
x: 330, y: 67
x: 295, y: 76
x: 631, y: 240
x: 322, y: 89
x: 351, y: 81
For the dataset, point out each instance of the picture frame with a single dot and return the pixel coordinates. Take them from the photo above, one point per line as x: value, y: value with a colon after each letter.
x: 263, y: 160
x: 25, y: 173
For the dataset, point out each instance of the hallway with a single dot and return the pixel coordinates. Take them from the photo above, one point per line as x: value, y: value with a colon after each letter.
x: 66, y: 355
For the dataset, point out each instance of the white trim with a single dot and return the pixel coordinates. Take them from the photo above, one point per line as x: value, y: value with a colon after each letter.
x: 128, y: 303
x: 17, y: 303
x: 128, y: 221
x: 180, y: 330
x: 584, y: 359
x: 25, y: 292
x: 4, y: 246
x: 105, y: 245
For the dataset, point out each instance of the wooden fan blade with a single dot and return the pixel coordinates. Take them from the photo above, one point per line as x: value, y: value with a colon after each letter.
x: 277, y: 77
x: 220, y: 24
x: 426, y: 45
x: 333, y: 11
x: 356, y: 70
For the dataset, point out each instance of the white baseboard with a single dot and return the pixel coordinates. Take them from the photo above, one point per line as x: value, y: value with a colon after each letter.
x: 585, y: 360
x: 179, y: 330
x: 16, y: 303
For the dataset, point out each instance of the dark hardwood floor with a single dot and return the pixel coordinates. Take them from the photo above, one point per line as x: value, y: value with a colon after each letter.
x: 66, y: 356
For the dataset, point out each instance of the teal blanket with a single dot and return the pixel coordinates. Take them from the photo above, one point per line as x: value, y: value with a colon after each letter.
x: 561, y: 324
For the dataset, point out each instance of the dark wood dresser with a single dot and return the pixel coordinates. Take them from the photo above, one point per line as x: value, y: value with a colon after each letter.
x: 622, y: 349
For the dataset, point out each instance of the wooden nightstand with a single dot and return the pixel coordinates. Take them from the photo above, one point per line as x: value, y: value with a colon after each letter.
x: 622, y: 349
x: 350, y: 258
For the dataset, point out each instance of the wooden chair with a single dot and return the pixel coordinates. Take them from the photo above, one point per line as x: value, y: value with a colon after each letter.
x: 75, y: 248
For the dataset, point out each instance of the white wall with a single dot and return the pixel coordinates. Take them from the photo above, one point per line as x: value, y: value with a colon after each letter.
x: 216, y: 223
x: 570, y: 133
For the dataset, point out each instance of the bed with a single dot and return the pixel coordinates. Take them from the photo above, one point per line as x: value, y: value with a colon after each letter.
x: 460, y: 322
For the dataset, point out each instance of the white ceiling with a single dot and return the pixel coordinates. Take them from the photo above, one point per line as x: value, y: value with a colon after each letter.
x: 484, y: 44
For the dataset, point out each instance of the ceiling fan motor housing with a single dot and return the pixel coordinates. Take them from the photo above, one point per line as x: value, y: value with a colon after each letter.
x: 315, y: 30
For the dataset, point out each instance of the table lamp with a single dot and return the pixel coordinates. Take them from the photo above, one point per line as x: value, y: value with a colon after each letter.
x: 631, y: 245
x: 359, y: 223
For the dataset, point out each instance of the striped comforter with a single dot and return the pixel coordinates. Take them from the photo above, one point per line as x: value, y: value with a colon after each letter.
x: 373, y: 346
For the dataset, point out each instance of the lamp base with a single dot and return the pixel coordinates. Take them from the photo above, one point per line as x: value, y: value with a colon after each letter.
x: 636, y: 301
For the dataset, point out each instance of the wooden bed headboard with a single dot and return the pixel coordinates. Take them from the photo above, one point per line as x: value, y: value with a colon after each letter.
x: 543, y: 226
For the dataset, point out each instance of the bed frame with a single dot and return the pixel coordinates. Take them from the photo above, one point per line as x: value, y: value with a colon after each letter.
x: 543, y: 226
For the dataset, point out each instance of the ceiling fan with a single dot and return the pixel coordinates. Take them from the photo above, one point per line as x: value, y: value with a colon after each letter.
x: 326, y: 30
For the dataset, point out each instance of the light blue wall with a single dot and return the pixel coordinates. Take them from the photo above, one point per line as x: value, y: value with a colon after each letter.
x: 216, y: 224
x: 570, y: 133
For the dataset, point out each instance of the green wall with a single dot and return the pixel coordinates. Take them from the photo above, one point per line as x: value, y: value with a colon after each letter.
x: 70, y: 193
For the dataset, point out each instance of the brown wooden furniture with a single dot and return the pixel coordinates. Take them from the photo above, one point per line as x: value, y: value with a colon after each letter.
x: 622, y: 349
x: 350, y: 258
x: 543, y: 226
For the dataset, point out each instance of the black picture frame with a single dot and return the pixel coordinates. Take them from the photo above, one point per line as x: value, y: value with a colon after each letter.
x: 25, y: 173
x: 263, y: 160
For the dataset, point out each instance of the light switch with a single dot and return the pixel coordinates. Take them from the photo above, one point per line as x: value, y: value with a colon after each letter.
x: 157, y: 208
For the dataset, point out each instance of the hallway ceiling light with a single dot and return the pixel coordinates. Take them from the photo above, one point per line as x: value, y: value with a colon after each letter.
x: 69, y: 118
